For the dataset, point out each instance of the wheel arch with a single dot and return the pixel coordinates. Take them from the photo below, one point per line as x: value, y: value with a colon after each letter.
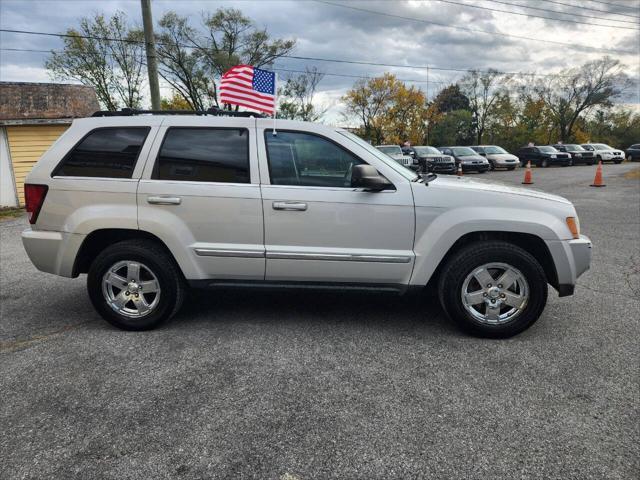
x: 531, y: 243
x: 100, y: 239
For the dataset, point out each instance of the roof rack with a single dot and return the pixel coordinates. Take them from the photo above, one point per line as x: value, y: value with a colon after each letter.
x: 215, y: 111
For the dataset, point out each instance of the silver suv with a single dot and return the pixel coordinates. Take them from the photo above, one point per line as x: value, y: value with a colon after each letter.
x: 147, y: 205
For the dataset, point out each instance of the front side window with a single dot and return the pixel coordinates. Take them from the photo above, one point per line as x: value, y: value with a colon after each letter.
x: 297, y: 158
x: 204, y: 155
x: 105, y: 152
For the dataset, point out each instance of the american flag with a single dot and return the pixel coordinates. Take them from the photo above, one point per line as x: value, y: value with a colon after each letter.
x: 249, y: 87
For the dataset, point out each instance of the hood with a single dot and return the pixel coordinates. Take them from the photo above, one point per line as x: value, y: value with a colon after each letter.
x: 502, y: 156
x: 470, y: 185
x: 472, y: 158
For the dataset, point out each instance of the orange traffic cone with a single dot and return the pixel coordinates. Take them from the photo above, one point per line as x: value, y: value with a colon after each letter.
x: 597, y: 181
x: 459, y: 171
x: 528, y: 180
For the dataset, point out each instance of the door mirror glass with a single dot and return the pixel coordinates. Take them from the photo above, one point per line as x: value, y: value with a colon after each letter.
x: 367, y: 177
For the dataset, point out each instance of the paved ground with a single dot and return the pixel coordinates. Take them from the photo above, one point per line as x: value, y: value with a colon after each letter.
x: 275, y: 385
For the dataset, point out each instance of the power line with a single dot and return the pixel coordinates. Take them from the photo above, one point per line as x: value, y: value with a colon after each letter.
x: 295, y: 57
x: 410, y: 80
x: 616, y: 5
x: 533, y: 16
x: 583, y: 7
x: 474, y: 30
x: 561, y: 13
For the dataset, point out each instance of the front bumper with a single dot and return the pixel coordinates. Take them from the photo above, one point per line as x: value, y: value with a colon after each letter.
x: 477, y: 167
x: 571, y: 258
x: 52, y: 252
x: 506, y: 163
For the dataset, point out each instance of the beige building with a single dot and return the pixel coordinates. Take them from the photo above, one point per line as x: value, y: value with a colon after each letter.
x: 32, y: 117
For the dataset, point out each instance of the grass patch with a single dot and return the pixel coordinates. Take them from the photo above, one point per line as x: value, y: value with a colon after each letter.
x: 10, y: 212
x: 633, y: 174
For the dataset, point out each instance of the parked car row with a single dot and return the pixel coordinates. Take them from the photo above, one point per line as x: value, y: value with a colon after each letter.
x: 482, y: 158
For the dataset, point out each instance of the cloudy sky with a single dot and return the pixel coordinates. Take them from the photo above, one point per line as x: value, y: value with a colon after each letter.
x: 443, y: 34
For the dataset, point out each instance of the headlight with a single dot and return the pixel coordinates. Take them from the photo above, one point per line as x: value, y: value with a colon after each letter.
x: 553, y: 155
x: 574, y: 226
x: 578, y: 155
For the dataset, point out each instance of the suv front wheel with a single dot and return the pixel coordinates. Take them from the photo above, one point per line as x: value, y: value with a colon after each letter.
x: 135, y: 285
x: 493, y: 289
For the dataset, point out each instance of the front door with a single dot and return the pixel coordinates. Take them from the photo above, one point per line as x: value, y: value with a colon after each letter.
x: 320, y: 229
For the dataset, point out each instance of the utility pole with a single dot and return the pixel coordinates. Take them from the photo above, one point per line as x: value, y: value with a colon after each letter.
x: 152, y: 59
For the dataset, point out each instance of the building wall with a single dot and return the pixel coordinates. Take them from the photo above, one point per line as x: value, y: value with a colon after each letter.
x: 27, y: 143
x: 8, y: 196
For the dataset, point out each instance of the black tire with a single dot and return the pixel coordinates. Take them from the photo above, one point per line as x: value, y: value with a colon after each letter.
x: 465, y: 261
x: 544, y: 163
x: 617, y: 162
x: 598, y: 159
x: 491, y: 165
x: 159, y: 262
x: 511, y: 168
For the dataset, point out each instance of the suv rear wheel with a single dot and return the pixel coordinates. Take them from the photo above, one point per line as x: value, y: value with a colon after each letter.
x: 135, y: 285
x: 493, y: 289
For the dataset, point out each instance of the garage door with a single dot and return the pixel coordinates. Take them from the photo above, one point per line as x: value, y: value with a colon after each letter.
x: 27, y: 143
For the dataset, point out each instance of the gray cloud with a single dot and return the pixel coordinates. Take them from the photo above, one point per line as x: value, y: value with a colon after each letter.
x: 332, y: 32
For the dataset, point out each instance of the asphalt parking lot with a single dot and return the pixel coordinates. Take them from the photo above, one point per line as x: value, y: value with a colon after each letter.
x: 282, y: 385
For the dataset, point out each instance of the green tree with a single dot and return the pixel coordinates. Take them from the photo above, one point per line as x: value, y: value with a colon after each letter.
x: 106, y: 54
x: 454, y: 128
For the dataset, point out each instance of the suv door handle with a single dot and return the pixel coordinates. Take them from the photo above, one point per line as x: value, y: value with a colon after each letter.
x: 164, y: 200
x: 289, y: 206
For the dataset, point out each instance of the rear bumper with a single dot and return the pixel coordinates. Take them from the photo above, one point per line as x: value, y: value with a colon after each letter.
x: 52, y: 252
x: 571, y: 258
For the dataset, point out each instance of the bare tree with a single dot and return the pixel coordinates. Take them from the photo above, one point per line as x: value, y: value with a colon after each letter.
x: 181, y: 64
x: 297, y: 97
x: 190, y: 59
x: 106, y: 54
x: 577, y: 91
x: 483, y: 91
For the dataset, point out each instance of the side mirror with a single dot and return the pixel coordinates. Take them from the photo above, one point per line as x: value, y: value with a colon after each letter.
x: 367, y: 177
x: 483, y: 154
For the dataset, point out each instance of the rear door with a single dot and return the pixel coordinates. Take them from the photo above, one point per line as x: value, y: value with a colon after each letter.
x: 320, y: 229
x: 200, y: 194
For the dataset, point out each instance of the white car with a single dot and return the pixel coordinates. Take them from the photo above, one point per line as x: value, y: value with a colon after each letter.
x: 147, y: 205
x: 395, y: 152
x: 497, y: 156
x: 604, y: 152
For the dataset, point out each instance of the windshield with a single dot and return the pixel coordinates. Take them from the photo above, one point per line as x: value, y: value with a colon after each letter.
x: 463, y: 151
x: 405, y: 172
x: 427, y: 151
x: 548, y: 150
x: 602, y: 146
x: 572, y: 147
x: 494, y: 149
x: 390, y: 150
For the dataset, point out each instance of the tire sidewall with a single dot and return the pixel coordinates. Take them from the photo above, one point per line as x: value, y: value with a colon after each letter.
x: 463, y: 264
x: 168, y: 287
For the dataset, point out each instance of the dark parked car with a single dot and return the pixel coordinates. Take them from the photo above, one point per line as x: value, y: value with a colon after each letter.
x: 633, y: 152
x: 469, y: 159
x: 543, y: 156
x: 578, y: 154
x: 604, y: 152
x: 433, y: 160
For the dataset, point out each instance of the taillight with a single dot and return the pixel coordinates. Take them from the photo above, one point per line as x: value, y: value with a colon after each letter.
x: 33, y: 199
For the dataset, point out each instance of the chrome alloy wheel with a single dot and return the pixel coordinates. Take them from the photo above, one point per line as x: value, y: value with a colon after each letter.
x: 495, y: 293
x: 131, y: 289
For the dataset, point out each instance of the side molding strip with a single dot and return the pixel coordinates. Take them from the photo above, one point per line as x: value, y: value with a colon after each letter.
x: 211, y: 252
x: 344, y: 257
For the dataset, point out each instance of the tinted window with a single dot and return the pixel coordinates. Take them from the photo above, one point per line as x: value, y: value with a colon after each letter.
x: 547, y: 149
x: 105, y: 152
x: 204, y: 155
x: 305, y: 159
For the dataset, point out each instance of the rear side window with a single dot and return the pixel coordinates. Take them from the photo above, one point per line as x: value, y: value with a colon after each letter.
x: 204, y: 155
x: 105, y: 152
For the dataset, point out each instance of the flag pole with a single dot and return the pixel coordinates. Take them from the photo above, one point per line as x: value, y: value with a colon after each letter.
x: 275, y: 103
